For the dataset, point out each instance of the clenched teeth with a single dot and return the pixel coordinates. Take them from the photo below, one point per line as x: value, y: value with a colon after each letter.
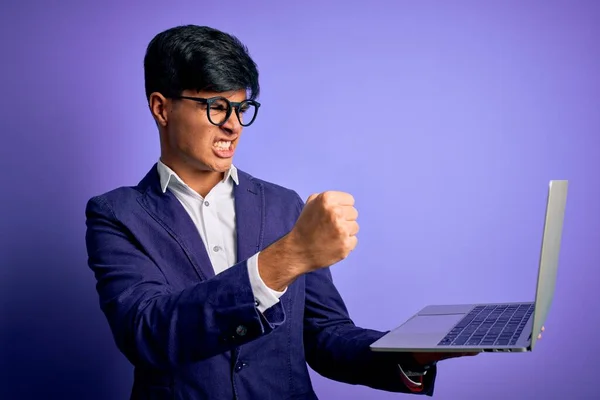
x: 223, y: 145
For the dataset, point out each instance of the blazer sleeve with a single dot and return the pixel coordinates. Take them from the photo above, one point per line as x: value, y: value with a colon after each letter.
x: 152, y: 323
x: 337, y: 349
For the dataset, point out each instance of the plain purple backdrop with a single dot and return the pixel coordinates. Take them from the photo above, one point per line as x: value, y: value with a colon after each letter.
x: 445, y: 120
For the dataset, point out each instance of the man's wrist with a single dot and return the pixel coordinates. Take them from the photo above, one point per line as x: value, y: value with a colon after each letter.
x: 413, y: 374
x: 280, y: 264
x: 413, y: 381
x: 296, y: 254
x: 414, y: 368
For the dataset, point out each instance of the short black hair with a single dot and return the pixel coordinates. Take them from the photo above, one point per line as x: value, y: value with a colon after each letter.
x: 191, y: 57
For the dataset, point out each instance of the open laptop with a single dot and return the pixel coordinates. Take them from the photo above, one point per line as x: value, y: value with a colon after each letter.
x: 503, y: 327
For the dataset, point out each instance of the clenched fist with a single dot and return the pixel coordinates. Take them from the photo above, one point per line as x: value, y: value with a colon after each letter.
x: 325, y: 232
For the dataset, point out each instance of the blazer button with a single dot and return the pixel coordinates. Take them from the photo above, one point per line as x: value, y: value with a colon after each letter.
x: 239, y: 366
x: 241, y: 330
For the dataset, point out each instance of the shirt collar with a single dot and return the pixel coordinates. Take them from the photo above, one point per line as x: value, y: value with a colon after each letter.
x: 169, y: 177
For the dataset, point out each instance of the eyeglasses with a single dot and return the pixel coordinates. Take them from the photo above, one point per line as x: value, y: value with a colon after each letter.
x: 218, y: 109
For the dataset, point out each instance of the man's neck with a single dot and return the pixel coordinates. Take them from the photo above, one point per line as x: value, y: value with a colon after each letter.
x: 203, y: 182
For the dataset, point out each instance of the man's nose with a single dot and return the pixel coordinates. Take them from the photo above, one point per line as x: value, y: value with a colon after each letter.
x: 232, y: 125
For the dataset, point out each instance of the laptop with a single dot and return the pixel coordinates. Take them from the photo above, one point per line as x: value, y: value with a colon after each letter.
x: 501, y: 327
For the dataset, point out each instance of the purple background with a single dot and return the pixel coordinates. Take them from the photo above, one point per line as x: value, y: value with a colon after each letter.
x: 445, y: 120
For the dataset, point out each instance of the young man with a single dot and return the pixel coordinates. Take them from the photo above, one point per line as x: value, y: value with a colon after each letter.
x: 215, y: 283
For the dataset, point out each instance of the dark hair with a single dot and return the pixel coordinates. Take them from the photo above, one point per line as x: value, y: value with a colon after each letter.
x: 198, y: 58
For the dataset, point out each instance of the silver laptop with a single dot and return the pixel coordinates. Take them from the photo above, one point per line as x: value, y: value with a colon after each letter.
x: 505, y: 327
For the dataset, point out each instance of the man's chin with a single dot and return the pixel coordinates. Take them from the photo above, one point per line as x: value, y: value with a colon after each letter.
x: 221, y: 166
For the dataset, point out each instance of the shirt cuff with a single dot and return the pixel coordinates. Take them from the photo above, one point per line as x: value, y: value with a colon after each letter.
x: 264, y: 296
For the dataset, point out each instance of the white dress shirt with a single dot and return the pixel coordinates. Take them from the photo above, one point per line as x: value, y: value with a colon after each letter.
x: 214, y: 217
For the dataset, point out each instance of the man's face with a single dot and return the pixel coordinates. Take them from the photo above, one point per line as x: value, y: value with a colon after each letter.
x: 189, y: 138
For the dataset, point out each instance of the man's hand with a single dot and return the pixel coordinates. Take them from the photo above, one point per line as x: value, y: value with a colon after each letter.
x: 428, y: 358
x: 324, y: 234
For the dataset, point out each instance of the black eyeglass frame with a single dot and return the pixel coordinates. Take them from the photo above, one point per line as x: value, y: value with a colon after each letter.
x: 231, y: 106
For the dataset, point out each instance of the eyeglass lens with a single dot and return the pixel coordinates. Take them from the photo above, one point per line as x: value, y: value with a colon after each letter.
x: 220, y: 110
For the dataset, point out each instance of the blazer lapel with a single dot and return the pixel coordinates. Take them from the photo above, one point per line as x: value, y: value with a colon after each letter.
x: 249, y: 215
x: 170, y: 214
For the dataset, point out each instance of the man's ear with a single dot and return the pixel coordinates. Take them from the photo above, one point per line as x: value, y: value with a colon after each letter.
x: 158, y: 105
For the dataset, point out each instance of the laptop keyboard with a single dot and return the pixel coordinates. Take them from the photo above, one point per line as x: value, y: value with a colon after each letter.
x: 489, y: 325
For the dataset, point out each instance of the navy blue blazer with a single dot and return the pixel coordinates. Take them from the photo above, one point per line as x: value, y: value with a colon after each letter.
x: 192, y: 335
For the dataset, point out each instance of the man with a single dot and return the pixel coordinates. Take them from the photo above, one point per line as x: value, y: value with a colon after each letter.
x: 215, y: 283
